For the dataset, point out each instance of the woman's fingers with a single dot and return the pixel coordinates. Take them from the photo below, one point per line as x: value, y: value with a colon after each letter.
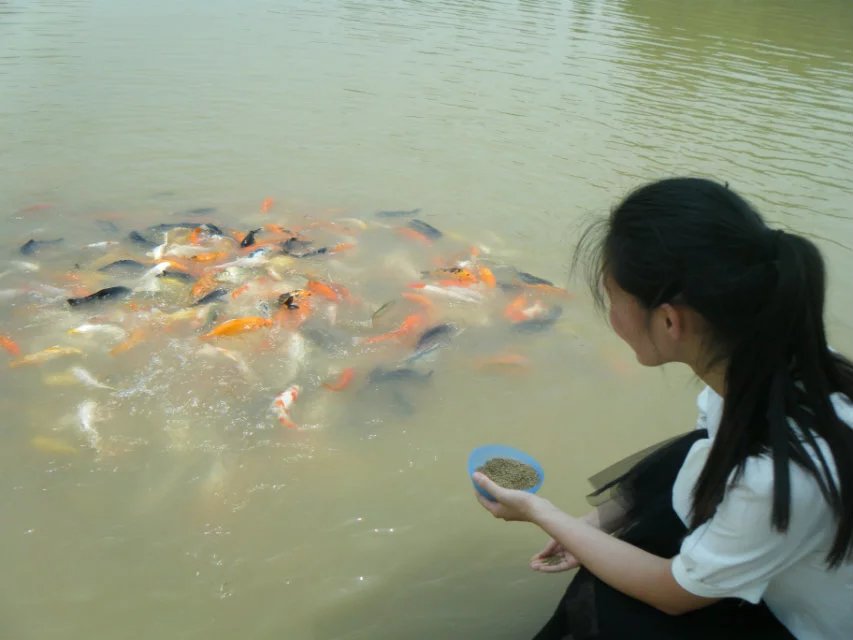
x: 488, y: 485
x: 549, y: 550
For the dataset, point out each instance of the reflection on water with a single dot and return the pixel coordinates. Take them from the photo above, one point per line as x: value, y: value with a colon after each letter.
x: 504, y: 122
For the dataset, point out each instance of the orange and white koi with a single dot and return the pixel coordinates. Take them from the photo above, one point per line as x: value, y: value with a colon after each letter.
x: 266, y: 205
x: 283, y: 403
x: 520, y: 311
x: 237, y: 326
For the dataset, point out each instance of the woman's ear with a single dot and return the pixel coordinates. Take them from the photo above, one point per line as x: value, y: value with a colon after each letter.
x: 673, y: 318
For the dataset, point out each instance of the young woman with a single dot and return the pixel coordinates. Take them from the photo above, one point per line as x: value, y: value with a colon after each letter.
x: 743, y: 528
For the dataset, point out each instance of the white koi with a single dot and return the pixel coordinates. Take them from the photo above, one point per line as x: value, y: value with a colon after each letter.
x: 104, y: 329
x: 86, y: 417
x: 454, y: 293
x: 148, y: 282
x: 88, y: 379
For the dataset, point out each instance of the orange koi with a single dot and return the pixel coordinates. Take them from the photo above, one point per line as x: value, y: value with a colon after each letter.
x: 342, y: 382
x: 411, y: 234
x: 341, y: 247
x: 10, y: 345
x: 195, y: 235
x: 276, y: 228
x: 237, y: 326
x: 39, y: 206
x: 550, y: 289
x: 418, y: 299
x: 505, y: 362
x: 266, y: 205
x: 243, y: 288
x: 204, y: 285
x: 323, y: 290
x: 409, y: 324
x: 136, y: 336
x: 487, y: 277
x: 210, y: 257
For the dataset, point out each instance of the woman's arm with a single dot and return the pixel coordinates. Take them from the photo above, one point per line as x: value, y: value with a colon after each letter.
x: 628, y: 569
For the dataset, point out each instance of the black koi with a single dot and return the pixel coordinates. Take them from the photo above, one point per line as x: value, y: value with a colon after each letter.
x: 104, y: 294
x: 123, y: 265
x: 529, y: 278
x: 210, y: 297
x: 180, y: 276
x: 138, y: 238
x: 34, y: 246
x: 426, y: 229
x: 249, y: 239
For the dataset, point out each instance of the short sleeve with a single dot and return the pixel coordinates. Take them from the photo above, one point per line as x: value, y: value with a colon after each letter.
x: 737, y: 552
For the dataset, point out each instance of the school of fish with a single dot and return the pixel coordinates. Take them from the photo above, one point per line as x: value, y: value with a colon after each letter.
x: 289, y: 310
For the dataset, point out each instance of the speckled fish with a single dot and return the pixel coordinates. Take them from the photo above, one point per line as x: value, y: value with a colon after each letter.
x: 400, y: 374
x: 397, y: 213
x: 200, y: 211
x: 110, y: 293
x: 31, y: 246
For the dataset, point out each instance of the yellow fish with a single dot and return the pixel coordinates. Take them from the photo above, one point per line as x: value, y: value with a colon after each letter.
x: 44, y: 355
x: 46, y: 444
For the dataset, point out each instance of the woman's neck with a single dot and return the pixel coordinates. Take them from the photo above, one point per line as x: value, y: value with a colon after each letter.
x: 714, y: 377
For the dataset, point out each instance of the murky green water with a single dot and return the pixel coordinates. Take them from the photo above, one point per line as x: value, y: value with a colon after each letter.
x: 506, y: 123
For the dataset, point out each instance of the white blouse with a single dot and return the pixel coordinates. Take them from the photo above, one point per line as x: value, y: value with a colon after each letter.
x: 738, y: 553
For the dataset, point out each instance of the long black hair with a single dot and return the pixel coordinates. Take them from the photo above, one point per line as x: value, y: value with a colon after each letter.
x: 695, y: 242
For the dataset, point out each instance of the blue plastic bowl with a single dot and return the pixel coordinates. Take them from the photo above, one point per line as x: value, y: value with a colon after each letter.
x: 481, y: 455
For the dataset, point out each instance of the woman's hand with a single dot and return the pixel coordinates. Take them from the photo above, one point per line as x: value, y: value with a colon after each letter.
x: 509, y: 504
x: 553, y: 559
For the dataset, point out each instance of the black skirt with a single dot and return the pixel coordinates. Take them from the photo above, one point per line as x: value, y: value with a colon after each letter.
x: 591, y: 610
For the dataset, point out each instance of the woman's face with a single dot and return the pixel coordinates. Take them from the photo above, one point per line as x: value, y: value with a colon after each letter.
x: 633, y: 323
